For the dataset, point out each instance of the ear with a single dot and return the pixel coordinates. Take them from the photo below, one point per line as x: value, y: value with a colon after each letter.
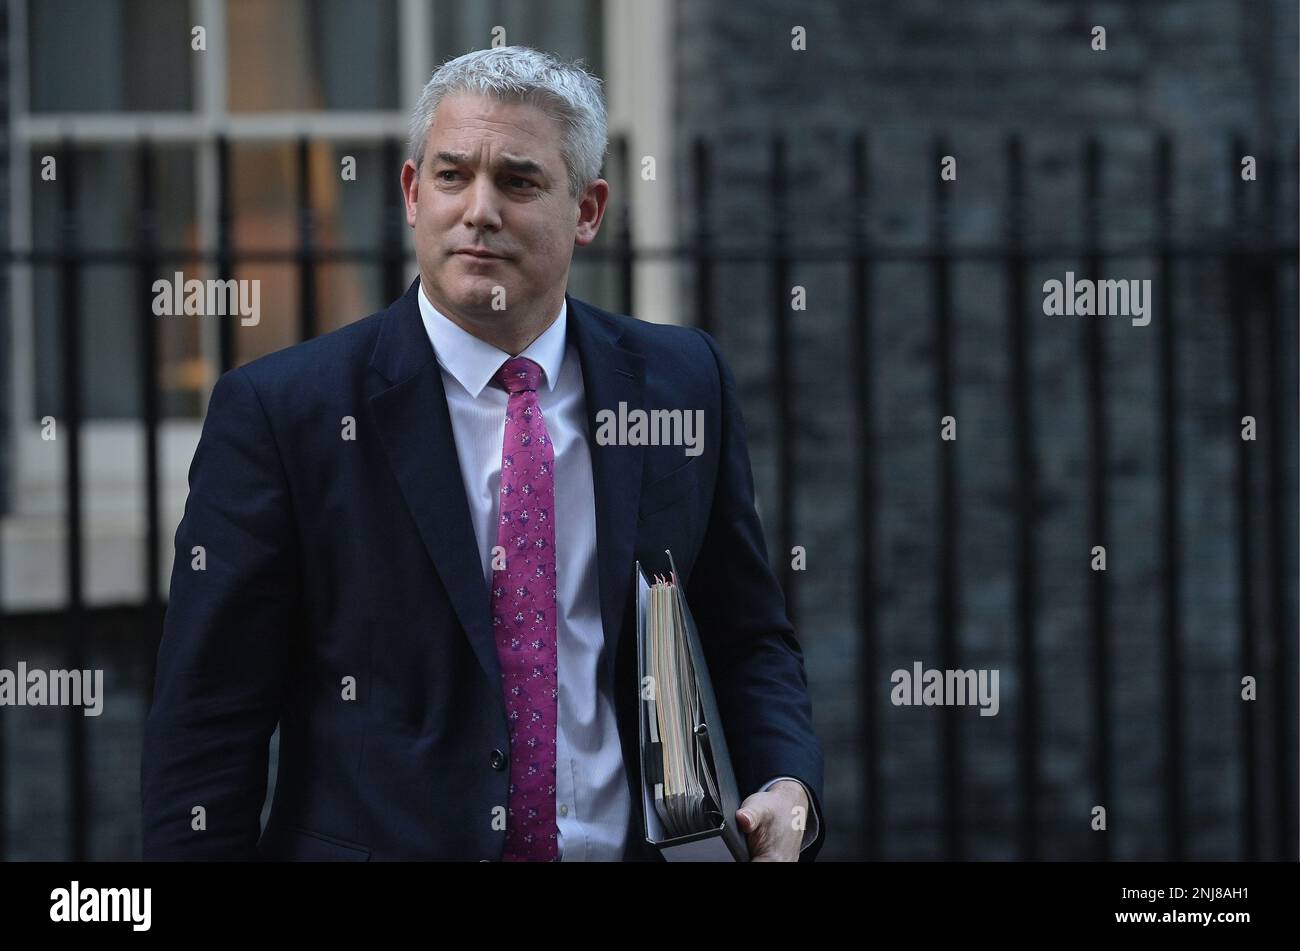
x: 591, y: 211
x: 410, y: 190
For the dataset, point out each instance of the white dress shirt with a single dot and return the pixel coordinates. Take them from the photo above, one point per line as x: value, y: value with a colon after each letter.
x: 592, y: 805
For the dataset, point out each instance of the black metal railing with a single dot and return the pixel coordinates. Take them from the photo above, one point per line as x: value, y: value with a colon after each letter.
x: 1255, y: 264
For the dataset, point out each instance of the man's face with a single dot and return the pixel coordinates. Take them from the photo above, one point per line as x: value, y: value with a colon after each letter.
x: 494, y: 180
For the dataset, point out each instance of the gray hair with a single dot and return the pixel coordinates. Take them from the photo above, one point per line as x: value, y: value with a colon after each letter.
x: 566, y: 92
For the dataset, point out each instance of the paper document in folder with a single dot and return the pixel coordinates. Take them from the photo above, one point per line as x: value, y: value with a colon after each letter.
x: 687, y: 800
x: 688, y: 790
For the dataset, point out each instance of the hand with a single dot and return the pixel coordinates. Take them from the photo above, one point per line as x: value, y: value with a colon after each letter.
x: 774, y: 822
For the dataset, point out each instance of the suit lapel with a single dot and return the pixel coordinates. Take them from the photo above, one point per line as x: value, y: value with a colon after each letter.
x: 610, y: 375
x: 415, y: 428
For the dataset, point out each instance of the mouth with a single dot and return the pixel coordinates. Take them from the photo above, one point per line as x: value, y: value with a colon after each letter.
x: 481, y: 255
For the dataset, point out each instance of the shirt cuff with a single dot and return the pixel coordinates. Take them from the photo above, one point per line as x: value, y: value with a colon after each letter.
x: 812, y: 830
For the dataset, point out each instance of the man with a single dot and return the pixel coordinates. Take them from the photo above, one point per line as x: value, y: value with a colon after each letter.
x: 404, y: 545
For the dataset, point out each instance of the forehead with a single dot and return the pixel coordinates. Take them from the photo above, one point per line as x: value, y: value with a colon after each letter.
x: 464, y: 121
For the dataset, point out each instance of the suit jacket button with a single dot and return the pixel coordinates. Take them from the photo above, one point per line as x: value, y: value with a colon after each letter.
x: 498, y: 759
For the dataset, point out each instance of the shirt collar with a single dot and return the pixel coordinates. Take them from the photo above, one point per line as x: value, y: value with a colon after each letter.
x: 473, y: 362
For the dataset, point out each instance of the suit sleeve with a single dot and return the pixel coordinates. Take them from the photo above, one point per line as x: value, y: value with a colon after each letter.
x: 754, y: 658
x: 222, y: 656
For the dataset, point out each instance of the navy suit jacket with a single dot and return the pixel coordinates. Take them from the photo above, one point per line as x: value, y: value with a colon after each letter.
x: 328, y: 562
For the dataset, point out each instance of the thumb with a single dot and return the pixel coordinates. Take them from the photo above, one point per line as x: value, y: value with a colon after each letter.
x: 748, y: 820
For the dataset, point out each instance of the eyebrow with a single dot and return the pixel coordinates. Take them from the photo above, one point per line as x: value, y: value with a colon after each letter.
x: 514, y: 163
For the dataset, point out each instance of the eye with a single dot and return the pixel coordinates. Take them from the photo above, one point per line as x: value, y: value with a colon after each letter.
x: 526, y: 182
x: 445, y: 171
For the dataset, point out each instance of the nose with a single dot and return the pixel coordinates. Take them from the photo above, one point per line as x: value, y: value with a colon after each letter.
x: 481, y: 210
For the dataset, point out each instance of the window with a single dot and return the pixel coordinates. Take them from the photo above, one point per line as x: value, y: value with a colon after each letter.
x: 327, y: 68
x: 105, y: 74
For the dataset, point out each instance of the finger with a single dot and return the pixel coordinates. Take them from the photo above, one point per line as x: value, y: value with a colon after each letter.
x: 760, y: 813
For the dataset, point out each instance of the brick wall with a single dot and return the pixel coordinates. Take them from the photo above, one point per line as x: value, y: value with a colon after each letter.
x: 975, y: 72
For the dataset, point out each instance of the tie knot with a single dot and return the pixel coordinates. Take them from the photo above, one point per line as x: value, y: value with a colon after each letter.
x: 519, y: 375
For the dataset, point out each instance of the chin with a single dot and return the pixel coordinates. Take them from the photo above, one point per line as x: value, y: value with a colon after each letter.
x: 477, y: 293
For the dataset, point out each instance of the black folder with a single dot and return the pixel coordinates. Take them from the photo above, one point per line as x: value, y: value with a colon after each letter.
x: 688, y: 789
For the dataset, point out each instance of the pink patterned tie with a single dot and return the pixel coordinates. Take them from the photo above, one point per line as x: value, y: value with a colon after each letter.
x: 523, y: 615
